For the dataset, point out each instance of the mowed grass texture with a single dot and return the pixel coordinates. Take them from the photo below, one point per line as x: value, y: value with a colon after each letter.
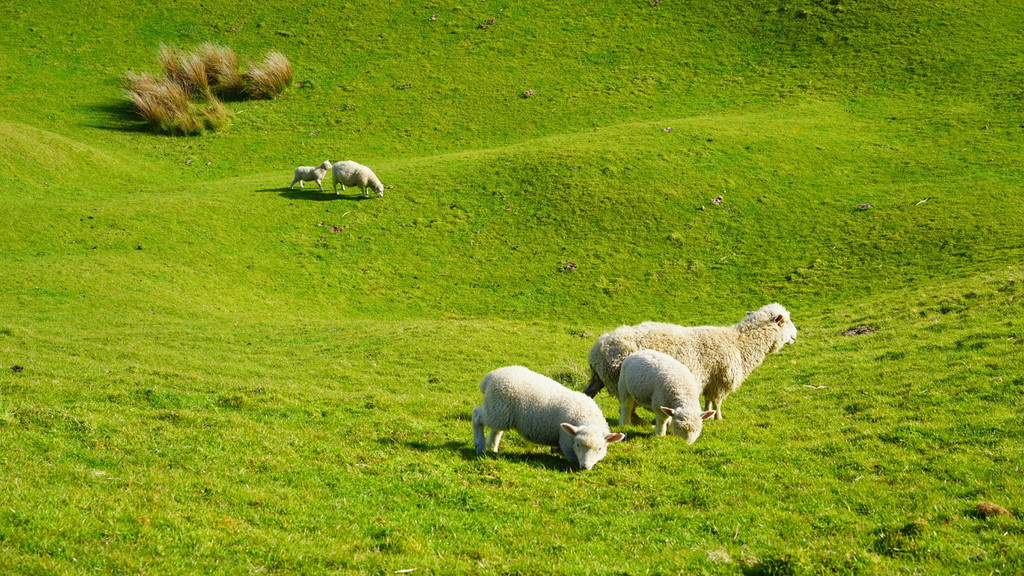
x: 217, y: 374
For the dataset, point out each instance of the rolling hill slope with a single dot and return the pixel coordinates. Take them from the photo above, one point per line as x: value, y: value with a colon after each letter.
x: 203, y: 371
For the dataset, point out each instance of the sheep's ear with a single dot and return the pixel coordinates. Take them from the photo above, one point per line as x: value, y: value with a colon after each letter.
x: 616, y: 437
x: 570, y: 428
x: 668, y: 411
x: 708, y: 414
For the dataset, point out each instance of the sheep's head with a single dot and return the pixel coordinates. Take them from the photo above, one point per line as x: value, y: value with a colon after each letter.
x: 379, y: 189
x: 686, y: 425
x: 776, y: 316
x: 326, y: 165
x: 590, y: 444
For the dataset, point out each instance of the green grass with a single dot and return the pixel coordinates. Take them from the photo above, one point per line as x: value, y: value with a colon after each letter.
x: 221, y: 375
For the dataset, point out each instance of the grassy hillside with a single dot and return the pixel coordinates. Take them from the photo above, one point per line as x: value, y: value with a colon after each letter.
x: 218, y: 374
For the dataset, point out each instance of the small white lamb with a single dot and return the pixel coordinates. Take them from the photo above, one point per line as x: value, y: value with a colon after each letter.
x: 720, y: 357
x: 349, y: 173
x: 310, y: 174
x: 662, y: 384
x: 543, y: 412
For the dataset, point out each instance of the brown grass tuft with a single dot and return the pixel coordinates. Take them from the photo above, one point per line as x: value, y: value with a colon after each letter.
x: 988, y: 509
x: 270, y: 78
x: 187, y: 69
x: 185, y: 100
x: 159, y: 101
x: 221, y: 68
x: 215, y: 114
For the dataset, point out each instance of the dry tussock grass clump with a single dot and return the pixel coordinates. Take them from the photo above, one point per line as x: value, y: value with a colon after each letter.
x: 215, y: 114
x: 221, y: 68
x: 185, y: 99
x: 161, y: 102
x: 270, y: 78
x: 167, y: 107
x: 187, y: 69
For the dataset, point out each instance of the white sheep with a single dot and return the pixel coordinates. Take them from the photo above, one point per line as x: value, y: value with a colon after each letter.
x: 662, y: 384
x: 543, y: 412
x: 310, y: 174
x: 720, y: 357
x: 349, y: 173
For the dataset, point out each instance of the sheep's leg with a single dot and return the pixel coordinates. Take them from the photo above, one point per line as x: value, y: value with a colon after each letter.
x: 366, y: 191
x: 292, y: 185
x: 717, y: 403
x: 478, y: 429
x: 335, y: 182
x: 636, y: 417
x: 660, y: 423
x: 321, y: 186
x: 626, y: 407
x: 493, y: 439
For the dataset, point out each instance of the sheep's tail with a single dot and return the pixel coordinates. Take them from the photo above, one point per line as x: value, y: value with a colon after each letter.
x: 595, y: 384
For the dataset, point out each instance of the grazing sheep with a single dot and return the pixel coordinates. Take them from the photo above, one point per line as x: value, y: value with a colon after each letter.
x: 720, y: 357
x: 661, y: 383
x: 349, y: 173
x: 543, y: 412
x: 310, y: 174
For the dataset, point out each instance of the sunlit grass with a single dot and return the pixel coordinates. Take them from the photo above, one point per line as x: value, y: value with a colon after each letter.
x: 219, y: 375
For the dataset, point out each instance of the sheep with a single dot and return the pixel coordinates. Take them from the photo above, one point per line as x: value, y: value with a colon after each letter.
x: 349, y: 173
x: 543, y: 412
x: 661, y: 383
x: 720, y: 357
x: 311, y: 173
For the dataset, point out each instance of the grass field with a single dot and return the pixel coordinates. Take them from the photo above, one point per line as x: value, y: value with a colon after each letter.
x: 205, y: 372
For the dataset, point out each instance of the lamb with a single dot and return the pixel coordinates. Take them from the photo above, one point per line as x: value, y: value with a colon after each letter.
x: 720, y: 357
x: 543, y: 412
x: 658, y: 381
x: 349, y: 173
x: 311, y: 173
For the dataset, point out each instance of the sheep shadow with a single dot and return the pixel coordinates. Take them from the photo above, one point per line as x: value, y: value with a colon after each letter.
x: 313, y: 194
x: 536, y: 458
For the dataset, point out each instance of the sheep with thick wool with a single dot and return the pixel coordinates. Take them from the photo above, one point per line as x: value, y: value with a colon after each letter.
x: 720, y: 357
x: 662, y: 384
x: 311, y: 174
x: 349, y: 173
x: 543, y: 412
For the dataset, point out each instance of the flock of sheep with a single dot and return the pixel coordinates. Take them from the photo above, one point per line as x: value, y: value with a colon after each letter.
x: 662, y: 367
x: 346, y: 173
